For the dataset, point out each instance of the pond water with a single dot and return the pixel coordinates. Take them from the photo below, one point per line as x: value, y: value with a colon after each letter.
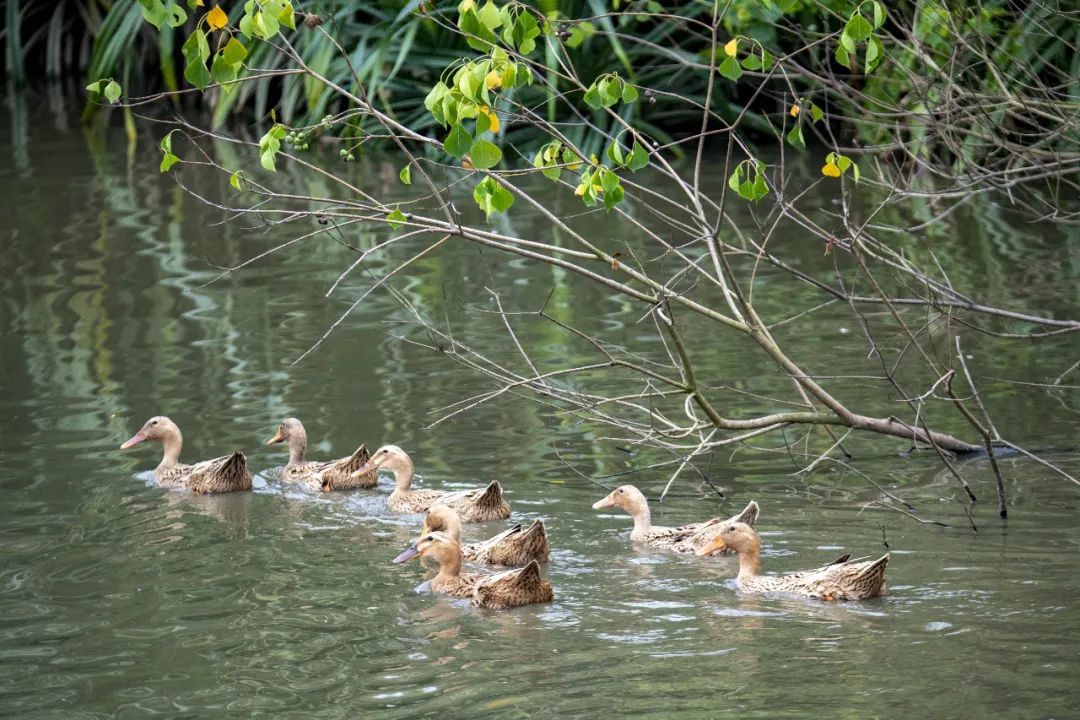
x: 120, y: 599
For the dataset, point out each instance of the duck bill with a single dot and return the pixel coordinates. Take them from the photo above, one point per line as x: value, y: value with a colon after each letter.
x: 407, y: 555
x: 364, y: 469
x: 714, y: 546
x: 278, y: 437
x: 605, y: 503
x: 133, y: 440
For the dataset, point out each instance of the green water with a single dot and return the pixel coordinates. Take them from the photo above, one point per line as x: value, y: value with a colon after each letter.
x: 119, y: 599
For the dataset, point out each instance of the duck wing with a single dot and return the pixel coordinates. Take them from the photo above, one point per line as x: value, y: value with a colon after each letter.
x: 224, y: 474
x: 338, y: 474
x: 513, y: 546
x: 512, y: 588
x: 479, y: 505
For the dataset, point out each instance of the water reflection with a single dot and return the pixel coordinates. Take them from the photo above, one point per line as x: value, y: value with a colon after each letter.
x: 119, y: 599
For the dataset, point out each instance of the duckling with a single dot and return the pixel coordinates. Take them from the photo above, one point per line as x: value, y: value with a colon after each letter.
x: 839, y: 580
x: 683, y: 539
x: 514, y: 546
x: 326, y: 476
x: 510, y: 588
x: 220, y: 475
x: 477, y: 505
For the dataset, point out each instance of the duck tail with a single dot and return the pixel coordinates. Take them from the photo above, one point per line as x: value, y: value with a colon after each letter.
x: 492, y: 496
x: 535, y: 539
x: 871, y: 578
x: 749, y: 515
x: 355, y: 461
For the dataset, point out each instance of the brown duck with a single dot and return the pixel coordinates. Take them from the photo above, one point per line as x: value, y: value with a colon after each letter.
x: 682, y: 539
x: 514, y: 547
x: 511, y: 588
x: 477, y: 505
x: 220, y: 475
x: 326, y: 475
x: 839, y: 580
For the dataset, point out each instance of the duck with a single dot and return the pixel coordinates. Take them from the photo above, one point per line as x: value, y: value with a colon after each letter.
x: 510, y: 588
x: 842, y: 579
x: 228, y: 473
x: 328, y: 475
x: 514, y: 547
x: 683, y: 539
x: 479, y: 505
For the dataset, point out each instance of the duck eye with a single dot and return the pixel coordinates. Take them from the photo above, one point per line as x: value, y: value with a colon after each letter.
x: 620, y: 491
x: 153, y: 422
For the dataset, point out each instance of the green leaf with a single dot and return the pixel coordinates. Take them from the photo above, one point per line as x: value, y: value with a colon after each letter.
x: 168, y: 161
x: 470, y: 24
x: 458, y: 142
x: 847, y: 42
x: 491, y: 196
x: 730, y: 69
x: 858, y: 28
x: 746, y: 190
x: 174, y: 15
x: 613, y: 197
x: 484, y: 154
x: 396, y: 219
x: 629, y: 93
x: 615, y: 153
x: 879, y: 14
x: 153, y: 11
x: 610, y: 90
x: 761, y: 188
x: 526, y: 30
x: 843, y: 162
x: 196, y: 51
x: 842, y: 56
x: 874, y: 53
x: 234, y: 52
x: 795, y: 138
x: 592, y: 97
x: 581, y: 32
x: 287, y: 16
x: 736, y: 177
x: 223, y: 72
x: 269, y: 144
x: 816, y: 113
x: 489, y: 15
x: 406, y: 175
x: 639, y: 157
x: 545, y: 159
x: 855, y: 171
x: 235, y: 179
x: 751, y: 62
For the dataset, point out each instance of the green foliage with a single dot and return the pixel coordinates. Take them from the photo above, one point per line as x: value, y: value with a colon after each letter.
x: 837, y: 165
x: 748, y: 180
x: 396, y: 219
x: 107, y: 87
x: 491, y: 196
x: 168, y: 159
x: 270, y: 144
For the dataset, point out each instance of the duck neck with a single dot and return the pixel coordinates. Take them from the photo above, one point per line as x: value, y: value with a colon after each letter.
x: 750, y: 560
x: 171, y: 445
x: 403, y: 474
x: 450, y: 566
x: 453, y: 528
x: 297, y: 447
x: 642, y: 519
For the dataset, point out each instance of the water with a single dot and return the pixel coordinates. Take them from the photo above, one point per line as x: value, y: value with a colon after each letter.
x: 119, y: 599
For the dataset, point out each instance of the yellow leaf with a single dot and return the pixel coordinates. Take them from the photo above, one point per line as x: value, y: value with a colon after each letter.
x: 493, y: 80
x: 573, y: 166
x: 830, y: 170
x: 580, y: 190
x: 198, y: 3
x: 217, y: 18
x: 593, y: 159
x: 732, y: 47
x: 466, y: 6
x: 493, y: 119
x: 795, y: 110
